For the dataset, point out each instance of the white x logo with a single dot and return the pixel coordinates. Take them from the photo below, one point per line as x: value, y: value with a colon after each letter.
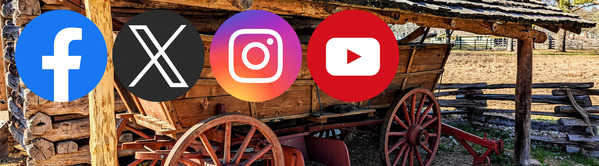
x: 154, y: 57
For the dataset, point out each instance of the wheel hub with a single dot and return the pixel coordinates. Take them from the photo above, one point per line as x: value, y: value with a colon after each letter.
x: 417, y: 135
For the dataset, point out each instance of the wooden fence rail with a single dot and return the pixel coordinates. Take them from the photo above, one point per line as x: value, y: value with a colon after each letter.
x: 470, y: 99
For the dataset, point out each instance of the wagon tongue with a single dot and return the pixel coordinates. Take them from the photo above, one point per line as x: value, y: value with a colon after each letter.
x: 352, y: 56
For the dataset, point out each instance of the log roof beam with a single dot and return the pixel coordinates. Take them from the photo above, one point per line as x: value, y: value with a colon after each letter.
x: 321, y: 10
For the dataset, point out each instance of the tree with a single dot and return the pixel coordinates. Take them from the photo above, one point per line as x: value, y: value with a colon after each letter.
x: 570, y: 6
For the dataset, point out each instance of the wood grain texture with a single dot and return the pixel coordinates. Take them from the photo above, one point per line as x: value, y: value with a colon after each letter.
x: 66, y: 147
x: 81, y: 156
x: 103, y: 141
x: 523, y: 102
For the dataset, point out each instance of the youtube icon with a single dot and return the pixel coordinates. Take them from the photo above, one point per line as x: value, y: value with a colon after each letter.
x: 353, y: 55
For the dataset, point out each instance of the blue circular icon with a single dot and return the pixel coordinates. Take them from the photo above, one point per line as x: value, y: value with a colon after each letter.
x: 61, y: 55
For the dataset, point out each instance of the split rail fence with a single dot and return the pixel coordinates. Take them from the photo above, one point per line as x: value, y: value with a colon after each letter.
x: 579, y: 129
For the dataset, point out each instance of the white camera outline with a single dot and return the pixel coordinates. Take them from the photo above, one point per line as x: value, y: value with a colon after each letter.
x: 279, y: 51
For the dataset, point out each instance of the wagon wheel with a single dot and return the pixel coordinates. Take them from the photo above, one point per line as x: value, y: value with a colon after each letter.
x: 409, y: 136
x: 227, y: 139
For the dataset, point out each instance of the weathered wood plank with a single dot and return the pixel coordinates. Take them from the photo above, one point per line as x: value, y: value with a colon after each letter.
x: 459, y: 92
x: 462, y: 86
x: 575, y: 92
x: 503, y: 121
x: 584, y: 101
x: 581, y: 138
x: 482, y: 110
x: 294, y: 101
x: 462, y: 103
x: 576, y: 122
x: 570, y: 109
x: 584, y: 85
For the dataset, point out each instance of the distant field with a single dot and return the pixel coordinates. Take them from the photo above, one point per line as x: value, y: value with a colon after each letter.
x: 494, y: 67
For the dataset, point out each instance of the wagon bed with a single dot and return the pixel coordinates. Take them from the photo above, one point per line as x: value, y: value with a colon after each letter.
x: 419, y: 66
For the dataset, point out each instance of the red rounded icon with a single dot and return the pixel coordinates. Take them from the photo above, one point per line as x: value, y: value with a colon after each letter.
x: 353, y: 55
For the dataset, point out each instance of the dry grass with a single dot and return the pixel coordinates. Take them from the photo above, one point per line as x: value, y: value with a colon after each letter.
x: 495, y: 67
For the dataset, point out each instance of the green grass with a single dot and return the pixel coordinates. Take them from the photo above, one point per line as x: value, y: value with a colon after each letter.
x: 541, y: 152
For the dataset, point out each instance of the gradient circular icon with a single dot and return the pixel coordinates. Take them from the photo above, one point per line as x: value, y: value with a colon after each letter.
x: 255, y: 55
x: 158, y: 55
x: 353, y: 55
x: 61, y: 55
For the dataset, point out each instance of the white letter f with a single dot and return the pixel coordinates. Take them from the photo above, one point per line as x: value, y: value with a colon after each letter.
x: 61, y: 62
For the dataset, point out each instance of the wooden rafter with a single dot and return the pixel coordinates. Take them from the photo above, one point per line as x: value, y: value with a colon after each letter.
x: 322, y: 10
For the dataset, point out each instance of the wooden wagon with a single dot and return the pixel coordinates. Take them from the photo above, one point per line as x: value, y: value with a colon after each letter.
x: 210, y: 125
x: 298, y: 111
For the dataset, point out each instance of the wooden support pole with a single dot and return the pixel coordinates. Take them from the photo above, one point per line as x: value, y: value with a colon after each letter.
x: 103, y: 139
x: 523, y: 102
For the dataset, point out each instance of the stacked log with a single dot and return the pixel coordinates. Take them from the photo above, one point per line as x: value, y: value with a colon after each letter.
x: 52, y: 133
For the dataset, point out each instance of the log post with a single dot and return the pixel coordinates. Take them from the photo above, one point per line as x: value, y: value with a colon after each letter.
x: 523, y: 102
x: 103, y: 139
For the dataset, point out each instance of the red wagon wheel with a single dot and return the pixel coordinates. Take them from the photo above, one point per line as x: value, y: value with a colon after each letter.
x: 227, y: 139
x: 412, y: 129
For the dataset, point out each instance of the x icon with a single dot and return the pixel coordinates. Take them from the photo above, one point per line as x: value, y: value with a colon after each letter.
x: 154, y: 57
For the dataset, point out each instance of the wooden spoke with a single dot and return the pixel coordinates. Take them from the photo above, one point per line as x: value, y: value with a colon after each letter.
x: 425, y: 113
x: 219, y: 150
x: 257, y: 155
x: 427, y: 149
x: 209, y: 149
x: 413, y: 108
x: 412, y: 155
x: 432, y: 135
x: 405, y: 156
x: 400, y: 122
x: 227, y: 146
x: 420, y: 105
x: 154, y: 162
x: 419, y: 120
x: 406, y: 114
x: 418, y: 157
x: 244, y: 145
x: 190, y: 162
x: 397, y: 133
x: 430, y: 121
x: 397, y: 144
x: 399, y: 154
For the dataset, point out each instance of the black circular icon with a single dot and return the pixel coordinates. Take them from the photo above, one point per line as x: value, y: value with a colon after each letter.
x: 158, y: 55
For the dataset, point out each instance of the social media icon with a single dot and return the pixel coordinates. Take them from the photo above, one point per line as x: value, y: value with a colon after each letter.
x: 158, y: 55
x: 154, y: 57
x: 273, y: 36
x: 61, y: 55
x: 255, y: 55
x: 353, y: 56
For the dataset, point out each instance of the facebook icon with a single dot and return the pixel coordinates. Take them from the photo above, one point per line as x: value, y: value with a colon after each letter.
x: 61, y: 55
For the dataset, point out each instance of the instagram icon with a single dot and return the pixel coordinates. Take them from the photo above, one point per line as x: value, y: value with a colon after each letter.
x: 255, y: 55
